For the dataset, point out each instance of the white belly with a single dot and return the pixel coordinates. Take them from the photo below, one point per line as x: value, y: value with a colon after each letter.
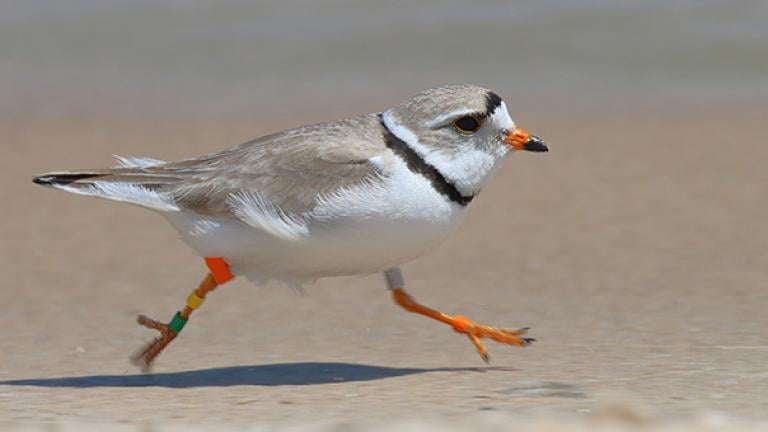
x: 361, y: 230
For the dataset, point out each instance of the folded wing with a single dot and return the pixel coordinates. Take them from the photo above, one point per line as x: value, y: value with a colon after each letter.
x: 284, y: 173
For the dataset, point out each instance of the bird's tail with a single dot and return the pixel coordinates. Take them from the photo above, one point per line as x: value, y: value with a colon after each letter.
x: 136, y: 181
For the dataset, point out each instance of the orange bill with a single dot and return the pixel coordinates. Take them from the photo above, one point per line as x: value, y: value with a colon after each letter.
x: 520, y: 139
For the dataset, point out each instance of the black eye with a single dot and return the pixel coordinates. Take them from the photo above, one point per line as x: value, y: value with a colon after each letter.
x: 467, y: 124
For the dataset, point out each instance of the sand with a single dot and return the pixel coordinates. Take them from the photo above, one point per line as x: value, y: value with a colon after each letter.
x: 636, y: 251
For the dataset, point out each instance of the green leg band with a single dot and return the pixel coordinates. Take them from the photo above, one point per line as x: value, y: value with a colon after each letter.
x: 177, y: 323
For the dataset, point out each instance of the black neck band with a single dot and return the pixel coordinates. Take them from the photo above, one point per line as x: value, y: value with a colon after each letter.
x: 418, y: 165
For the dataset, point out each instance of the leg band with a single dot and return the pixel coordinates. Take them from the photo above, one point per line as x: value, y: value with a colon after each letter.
x: 194, y: 301
x: 177, y: 323
x: 394, y: 278
x: 219, y: 269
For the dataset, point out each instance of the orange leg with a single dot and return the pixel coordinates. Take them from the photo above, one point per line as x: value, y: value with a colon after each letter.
x: 168, y: 332
x: 460, y: 324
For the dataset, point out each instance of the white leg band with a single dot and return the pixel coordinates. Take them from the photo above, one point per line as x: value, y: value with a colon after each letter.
x: 394, y: 278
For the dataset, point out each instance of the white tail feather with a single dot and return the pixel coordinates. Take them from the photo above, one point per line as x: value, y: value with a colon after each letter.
x: 126, y: 192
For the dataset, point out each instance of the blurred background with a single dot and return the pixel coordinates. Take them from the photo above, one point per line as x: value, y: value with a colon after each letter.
x: 192, y: 57
x: 636, y: 248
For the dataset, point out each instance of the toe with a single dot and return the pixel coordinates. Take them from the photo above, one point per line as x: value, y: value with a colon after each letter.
x: 515, y: 331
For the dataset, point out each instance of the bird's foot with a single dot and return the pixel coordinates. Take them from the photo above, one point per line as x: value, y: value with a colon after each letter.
x: 475, y: 332
x: 144, y: 357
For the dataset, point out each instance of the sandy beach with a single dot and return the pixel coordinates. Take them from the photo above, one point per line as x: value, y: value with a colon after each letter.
x: 635, y: 250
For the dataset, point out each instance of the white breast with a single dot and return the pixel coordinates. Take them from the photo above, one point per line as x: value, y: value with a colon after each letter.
x: 363, y: 229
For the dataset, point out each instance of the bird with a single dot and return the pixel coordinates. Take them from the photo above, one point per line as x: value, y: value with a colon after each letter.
x: 361, y: 195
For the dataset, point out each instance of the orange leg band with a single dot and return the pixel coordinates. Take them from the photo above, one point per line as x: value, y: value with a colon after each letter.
x: 219, y: 268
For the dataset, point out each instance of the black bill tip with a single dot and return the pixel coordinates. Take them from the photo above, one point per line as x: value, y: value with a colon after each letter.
x: 535, y: 144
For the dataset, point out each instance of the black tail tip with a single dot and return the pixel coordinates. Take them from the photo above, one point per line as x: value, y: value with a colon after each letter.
x: 43, y: 180
x: 61, y: 179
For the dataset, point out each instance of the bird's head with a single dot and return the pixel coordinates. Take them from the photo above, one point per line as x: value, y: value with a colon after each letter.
x: 463, y: 131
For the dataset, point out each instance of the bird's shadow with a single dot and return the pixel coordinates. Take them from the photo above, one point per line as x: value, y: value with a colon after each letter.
x: 279, y: 374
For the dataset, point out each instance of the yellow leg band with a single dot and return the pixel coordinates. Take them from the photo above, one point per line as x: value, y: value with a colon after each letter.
x: 194, y: 301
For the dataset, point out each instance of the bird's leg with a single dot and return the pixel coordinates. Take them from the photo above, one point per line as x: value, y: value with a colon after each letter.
x: 219, y: 274
x: 168, y: 332
x: 460, y: 324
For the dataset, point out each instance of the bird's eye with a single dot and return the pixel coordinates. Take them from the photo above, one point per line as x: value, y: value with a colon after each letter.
x: 467, y: 124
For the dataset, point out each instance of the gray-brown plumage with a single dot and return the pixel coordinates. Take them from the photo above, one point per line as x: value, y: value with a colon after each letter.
x: 290, y: 168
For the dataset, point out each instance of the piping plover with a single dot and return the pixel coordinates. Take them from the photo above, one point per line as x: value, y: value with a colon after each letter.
x: 354, y: 196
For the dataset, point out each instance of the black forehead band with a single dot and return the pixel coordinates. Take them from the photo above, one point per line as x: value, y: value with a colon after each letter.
x: 492, y: 101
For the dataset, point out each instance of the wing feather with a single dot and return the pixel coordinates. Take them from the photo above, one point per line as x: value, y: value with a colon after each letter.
x: 281, y: 176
